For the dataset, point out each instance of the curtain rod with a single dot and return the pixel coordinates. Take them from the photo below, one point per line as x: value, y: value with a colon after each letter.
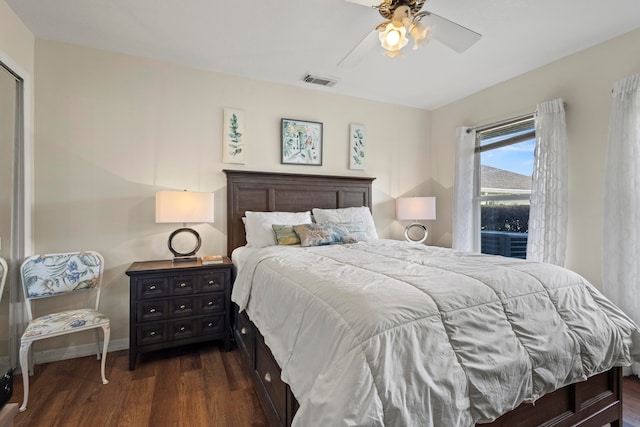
x: 480, y: 128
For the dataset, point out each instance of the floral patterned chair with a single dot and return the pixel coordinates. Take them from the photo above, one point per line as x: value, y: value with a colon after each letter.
x: 52, y: 275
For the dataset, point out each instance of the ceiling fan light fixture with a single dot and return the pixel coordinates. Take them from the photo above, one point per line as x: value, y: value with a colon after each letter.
x: 393, y: 37
x: 393, y: 53
x: 393, y: 33
x: 419, y: 33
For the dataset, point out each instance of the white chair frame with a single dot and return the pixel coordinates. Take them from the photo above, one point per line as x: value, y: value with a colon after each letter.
x: 70, y: 286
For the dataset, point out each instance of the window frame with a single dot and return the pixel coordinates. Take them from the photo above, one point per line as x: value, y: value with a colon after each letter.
x: 508, y: 126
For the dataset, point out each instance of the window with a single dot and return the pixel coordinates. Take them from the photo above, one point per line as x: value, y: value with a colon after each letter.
x: 504, y: 156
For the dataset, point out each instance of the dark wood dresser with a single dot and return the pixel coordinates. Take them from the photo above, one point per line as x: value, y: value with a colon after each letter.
x: 173, y: 304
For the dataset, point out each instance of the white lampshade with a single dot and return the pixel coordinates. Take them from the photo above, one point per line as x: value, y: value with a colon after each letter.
x: 184, y: 206
x: 415, y: 208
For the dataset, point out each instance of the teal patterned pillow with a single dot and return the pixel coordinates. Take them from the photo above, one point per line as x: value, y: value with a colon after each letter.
x: 285, y: 234
x: 356, y: 230
x: 325, y: 234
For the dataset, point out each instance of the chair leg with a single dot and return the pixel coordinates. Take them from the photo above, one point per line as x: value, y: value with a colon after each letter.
x: 107, y: 333
x: 31, y: 362
x: 98, y: 342
x: 24, y: 367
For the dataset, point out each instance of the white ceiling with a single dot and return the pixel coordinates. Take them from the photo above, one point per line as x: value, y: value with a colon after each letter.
x: 281, y: 40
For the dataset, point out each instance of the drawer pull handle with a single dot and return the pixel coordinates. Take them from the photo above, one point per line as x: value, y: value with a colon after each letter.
x: 243, y: 331
x: 182, y: 328
x: 183, y: 285
x: 182, y: 307
x: 210, y: 303
x: 152, y: 333
x: 210, y: 324
x: 212, y: 282
x: 267, y: 377
x: 153, y: 310
x: 152, y: 287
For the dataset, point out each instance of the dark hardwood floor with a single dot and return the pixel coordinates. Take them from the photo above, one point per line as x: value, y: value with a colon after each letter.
x: 192, y: 386
x: 199, y: 385
x: 631, y: 402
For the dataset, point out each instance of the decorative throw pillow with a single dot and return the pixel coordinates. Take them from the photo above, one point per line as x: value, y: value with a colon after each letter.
x: 259, y: 232
x: 285, y: 235
x: 342, y: 215
x: 323, y: 234
x: 356, y: 229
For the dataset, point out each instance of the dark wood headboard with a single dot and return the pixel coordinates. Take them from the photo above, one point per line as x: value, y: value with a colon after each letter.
x: 287, y: 192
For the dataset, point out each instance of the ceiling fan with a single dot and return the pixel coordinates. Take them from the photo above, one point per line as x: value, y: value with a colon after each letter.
x: 404, y: 17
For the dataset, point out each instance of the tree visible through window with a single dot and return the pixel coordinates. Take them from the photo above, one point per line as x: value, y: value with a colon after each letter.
x: 504, y: 166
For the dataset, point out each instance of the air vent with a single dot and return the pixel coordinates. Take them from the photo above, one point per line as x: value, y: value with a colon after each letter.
x: 317, y: 80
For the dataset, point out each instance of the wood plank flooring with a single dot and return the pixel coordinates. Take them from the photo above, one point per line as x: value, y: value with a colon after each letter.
x: 194, y: 386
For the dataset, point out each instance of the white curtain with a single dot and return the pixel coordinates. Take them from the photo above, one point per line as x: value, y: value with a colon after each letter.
x: 464, y: 211
x: 621, y: 216
x: 548, y: 216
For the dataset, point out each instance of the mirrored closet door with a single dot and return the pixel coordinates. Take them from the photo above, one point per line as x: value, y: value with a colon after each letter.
x: 11, y: 192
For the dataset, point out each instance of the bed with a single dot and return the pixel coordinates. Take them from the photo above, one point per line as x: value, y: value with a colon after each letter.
x: 595, y: 401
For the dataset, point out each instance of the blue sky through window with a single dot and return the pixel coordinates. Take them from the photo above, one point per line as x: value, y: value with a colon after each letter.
x: 517, y: 158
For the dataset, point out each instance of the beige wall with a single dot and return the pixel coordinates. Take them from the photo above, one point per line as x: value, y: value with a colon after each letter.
x: 16, y: 41
x: 113, y: 129
x: 584, y: 80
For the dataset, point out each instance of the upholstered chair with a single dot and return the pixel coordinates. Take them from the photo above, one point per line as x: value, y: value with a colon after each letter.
x: 59, y: 275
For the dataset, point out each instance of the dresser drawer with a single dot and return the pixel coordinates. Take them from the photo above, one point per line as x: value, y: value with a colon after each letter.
x: 212, y: 282
x: 155, y: 287
x: 269, y: 375
x: 183, y: 285
x: 212, y: 324
x: 148, y: 311
x: 182, y: 329
x: 151, y: 333
x: 212, y: 303
x: 245, y: 336
x: 182, y: 307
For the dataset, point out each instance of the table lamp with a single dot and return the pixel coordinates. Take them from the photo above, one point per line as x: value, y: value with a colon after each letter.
x: 184, y: 207
x: 415, y: 208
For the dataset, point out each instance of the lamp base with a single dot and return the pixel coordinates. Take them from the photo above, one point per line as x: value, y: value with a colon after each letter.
x: 416, y: 233
x: 190, y: 254
x: 179, y: 259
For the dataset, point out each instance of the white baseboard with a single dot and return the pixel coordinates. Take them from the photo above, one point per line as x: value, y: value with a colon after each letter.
x: 47, y: 356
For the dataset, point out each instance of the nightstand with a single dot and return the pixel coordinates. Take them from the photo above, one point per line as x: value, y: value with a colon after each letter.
x: 177, y: 304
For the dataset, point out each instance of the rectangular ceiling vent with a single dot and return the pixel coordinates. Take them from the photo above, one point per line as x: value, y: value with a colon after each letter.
x: 317, y: 80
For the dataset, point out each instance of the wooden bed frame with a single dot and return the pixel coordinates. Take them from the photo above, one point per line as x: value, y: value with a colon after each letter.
x: 594, y: 402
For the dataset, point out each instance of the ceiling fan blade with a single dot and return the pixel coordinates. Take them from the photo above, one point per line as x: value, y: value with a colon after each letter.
x: 356, y: 54
x: 368, y: 3
x: 452, y: 35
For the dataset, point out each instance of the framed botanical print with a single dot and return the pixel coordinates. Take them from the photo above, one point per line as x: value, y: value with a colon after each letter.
x: 301, y: 142
x: 357, y: 146
x: 233, y: 138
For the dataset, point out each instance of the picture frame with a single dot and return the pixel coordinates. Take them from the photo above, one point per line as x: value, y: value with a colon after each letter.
x: 301, y: 142
x: 357, y: 146
x: 233, y: 136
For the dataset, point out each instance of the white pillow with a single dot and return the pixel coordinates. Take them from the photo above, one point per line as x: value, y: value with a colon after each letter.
x: 348, y: 215
x: 258, y: 228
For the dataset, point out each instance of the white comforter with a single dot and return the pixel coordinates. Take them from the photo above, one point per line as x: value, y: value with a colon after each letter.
x: 389, y: 333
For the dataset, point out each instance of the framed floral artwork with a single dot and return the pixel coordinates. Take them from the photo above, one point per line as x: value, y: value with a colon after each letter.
x: 301, y: 142
x: 357, y: 146
x: 233, y: 138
